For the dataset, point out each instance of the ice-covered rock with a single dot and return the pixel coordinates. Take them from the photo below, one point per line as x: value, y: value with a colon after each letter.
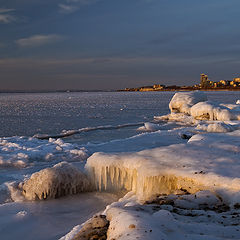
x: 60, y: 180
x: 183, y: 101
x: 211, y: 111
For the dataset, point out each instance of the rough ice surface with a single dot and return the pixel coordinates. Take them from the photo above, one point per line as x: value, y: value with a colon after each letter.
x: 186, y: 217
x: 181, y: 173
x: 183, y: 101
x: 22, y: 151
x: 205, y: 162
x: 60, y: 180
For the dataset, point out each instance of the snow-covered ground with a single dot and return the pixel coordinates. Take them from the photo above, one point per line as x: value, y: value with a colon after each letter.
x: 180, y: 171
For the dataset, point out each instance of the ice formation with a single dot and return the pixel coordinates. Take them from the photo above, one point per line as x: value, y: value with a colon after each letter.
x: 22, y: 151
x: 183, y: 101
x: 211, y: 111
x: 60, y: 180
x: 195, y: 104
x: 202, y: 163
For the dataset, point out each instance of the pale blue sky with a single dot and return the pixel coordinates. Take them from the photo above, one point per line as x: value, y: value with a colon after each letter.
x: 112, y: 44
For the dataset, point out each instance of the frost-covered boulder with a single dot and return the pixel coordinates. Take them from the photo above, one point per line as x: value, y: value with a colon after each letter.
x: 211, y: 111
x: 60, y: 180
x: 183, y: 101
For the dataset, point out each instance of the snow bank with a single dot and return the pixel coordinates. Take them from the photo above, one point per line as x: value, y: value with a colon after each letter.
x: 205, y: 162
x: 22, y: 151
x: 183, y: 101
x: 60, y: 180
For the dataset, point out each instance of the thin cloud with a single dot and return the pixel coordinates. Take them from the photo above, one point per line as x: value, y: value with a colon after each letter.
x: 38, y: 40
x: 73, y: 5
x: 67, y: 8
x: 5, y: 16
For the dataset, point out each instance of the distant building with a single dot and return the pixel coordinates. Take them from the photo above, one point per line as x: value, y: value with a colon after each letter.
x: 204, y: 81
x: 158, y: 86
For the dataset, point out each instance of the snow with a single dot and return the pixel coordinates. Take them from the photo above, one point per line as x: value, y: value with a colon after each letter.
x: 204, y: 162
x: 60, y: 180
x: 183, y: 101
x: 23, y: 151
x: 211, y: 111
x: 179, y: 173
x: 149, y: 127
x: 189, y: 217
x: 218, y: 127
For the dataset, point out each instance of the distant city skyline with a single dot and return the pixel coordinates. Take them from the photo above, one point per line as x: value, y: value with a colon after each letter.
x: 110, y: 44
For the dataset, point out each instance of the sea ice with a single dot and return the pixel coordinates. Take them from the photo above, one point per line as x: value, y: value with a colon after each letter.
x: 22, y: 151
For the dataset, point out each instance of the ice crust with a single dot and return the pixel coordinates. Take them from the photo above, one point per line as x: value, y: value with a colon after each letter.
x: 23, y: 151
x: 205, y: 162
x: 60, y: 180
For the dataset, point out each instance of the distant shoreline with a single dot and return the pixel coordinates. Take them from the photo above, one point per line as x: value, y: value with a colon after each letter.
x: 162, y: 90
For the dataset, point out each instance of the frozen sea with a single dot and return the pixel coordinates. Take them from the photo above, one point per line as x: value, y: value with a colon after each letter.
x: 107, y: 122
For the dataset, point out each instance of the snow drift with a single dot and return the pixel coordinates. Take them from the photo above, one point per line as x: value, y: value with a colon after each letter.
x: 60, y: 180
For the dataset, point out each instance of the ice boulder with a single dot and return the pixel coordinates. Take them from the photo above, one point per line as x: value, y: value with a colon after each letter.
x: 211, y: 111
x: 60, y: 180
x: 183, y: 101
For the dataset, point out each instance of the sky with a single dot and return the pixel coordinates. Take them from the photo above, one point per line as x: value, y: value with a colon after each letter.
x: 113, y: 44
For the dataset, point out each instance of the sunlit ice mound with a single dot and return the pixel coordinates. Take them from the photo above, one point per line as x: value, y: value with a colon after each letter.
x: 205, y: 162
x: 183, y: 101
x: 60, y: 180
x: 192, y: 108
x: 23, y: 151
x: 196, y: 105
